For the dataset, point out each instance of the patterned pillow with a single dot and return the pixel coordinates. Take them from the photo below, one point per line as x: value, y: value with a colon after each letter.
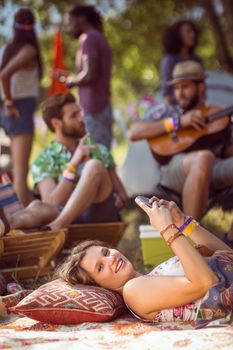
x: 61, y: 303
x: 7, y: 302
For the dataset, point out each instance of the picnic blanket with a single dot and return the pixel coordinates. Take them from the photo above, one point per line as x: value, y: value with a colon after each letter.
x: 124, y: 333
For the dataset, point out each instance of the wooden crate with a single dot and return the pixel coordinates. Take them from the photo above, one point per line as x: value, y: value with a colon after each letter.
x: 110, y: 232
x: 30, y: 255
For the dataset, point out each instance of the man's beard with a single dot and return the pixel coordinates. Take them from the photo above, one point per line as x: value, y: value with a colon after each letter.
x: 71, y: 132
x: 192, y: 103
x: 76, y: 34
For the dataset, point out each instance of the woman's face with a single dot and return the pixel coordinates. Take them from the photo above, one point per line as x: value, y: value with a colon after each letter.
x: 107, y: 267
x: 188, y: 35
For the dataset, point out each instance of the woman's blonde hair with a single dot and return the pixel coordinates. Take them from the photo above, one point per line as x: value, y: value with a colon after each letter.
x: 70, y: 270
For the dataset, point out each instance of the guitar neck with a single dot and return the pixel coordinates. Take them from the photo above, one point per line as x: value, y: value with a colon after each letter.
x: 222, y: 113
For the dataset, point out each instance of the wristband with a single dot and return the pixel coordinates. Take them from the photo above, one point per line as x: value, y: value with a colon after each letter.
x: 176, y: 123
x: 168, y: 124
x: 69, y: 180
x: 69, y: 175
x: 190, y: 228
x: 185, y: 224
x: 72, y: 168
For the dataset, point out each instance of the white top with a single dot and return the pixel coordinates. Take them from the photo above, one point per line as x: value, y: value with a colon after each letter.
x: 24, y: 82
x: 188, y: 312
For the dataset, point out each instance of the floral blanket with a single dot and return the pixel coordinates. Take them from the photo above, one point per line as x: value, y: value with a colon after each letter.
x: 124, y: 333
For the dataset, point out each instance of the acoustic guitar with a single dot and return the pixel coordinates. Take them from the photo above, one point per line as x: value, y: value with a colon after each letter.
x: 184, y: 140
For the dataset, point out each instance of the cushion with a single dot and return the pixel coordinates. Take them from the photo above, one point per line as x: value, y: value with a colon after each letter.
x: 61, y: 303
x: 8, y: 301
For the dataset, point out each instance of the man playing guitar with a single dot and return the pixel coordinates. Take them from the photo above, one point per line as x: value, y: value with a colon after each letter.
x: 205, y: 165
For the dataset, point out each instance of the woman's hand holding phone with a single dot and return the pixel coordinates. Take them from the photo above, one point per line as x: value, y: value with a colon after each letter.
x: 177, y: 215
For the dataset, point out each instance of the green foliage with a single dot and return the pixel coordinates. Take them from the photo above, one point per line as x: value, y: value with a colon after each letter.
x: 134, y: 29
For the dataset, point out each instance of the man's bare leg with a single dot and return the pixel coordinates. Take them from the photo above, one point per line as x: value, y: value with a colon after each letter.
x: 36, y: 214
x: 198, y: 166
x: 94, y: 186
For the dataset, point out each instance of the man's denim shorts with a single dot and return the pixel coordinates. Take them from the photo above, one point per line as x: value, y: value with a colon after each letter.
x: 23, y: 124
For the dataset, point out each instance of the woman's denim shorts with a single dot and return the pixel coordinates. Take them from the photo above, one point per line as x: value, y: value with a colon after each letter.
x: 23, y: 124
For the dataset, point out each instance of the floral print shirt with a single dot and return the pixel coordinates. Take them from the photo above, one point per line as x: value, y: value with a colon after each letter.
x: 163, y: 110
x: 52, y: 161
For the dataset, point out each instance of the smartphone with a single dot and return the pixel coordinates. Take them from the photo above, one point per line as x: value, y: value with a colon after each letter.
x: 144, y: 200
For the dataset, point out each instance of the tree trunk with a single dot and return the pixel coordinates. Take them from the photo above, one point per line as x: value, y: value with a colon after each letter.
x: 222, y: 51
x: 228, y: 14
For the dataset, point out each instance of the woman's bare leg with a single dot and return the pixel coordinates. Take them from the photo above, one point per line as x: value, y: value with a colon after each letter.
x: 21, y: 146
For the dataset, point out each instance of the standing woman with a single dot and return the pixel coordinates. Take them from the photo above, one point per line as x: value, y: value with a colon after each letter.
x: 179, y: 44
x: 20, y: 73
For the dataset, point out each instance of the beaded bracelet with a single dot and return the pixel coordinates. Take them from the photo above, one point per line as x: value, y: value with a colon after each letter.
x: 166, y: 228
x: 173, y: 237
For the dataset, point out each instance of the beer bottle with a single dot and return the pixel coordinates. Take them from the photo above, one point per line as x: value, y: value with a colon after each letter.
x: 95, y: 153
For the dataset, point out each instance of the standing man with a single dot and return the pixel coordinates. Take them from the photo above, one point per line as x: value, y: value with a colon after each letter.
x: 93, y: 63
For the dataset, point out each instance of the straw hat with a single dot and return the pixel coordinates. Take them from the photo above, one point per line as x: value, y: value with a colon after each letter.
x: 187, y: 70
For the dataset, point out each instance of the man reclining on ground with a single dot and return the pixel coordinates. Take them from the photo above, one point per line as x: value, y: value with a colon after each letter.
x: 77, y: 181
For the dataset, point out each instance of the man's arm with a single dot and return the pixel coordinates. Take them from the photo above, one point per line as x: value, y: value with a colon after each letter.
x: 53, y: 193
x: 144, y: 129
x: 86, y: 76
x: 59, y: 193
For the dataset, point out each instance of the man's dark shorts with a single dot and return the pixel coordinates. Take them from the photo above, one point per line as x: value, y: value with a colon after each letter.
x: 100, y: 212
